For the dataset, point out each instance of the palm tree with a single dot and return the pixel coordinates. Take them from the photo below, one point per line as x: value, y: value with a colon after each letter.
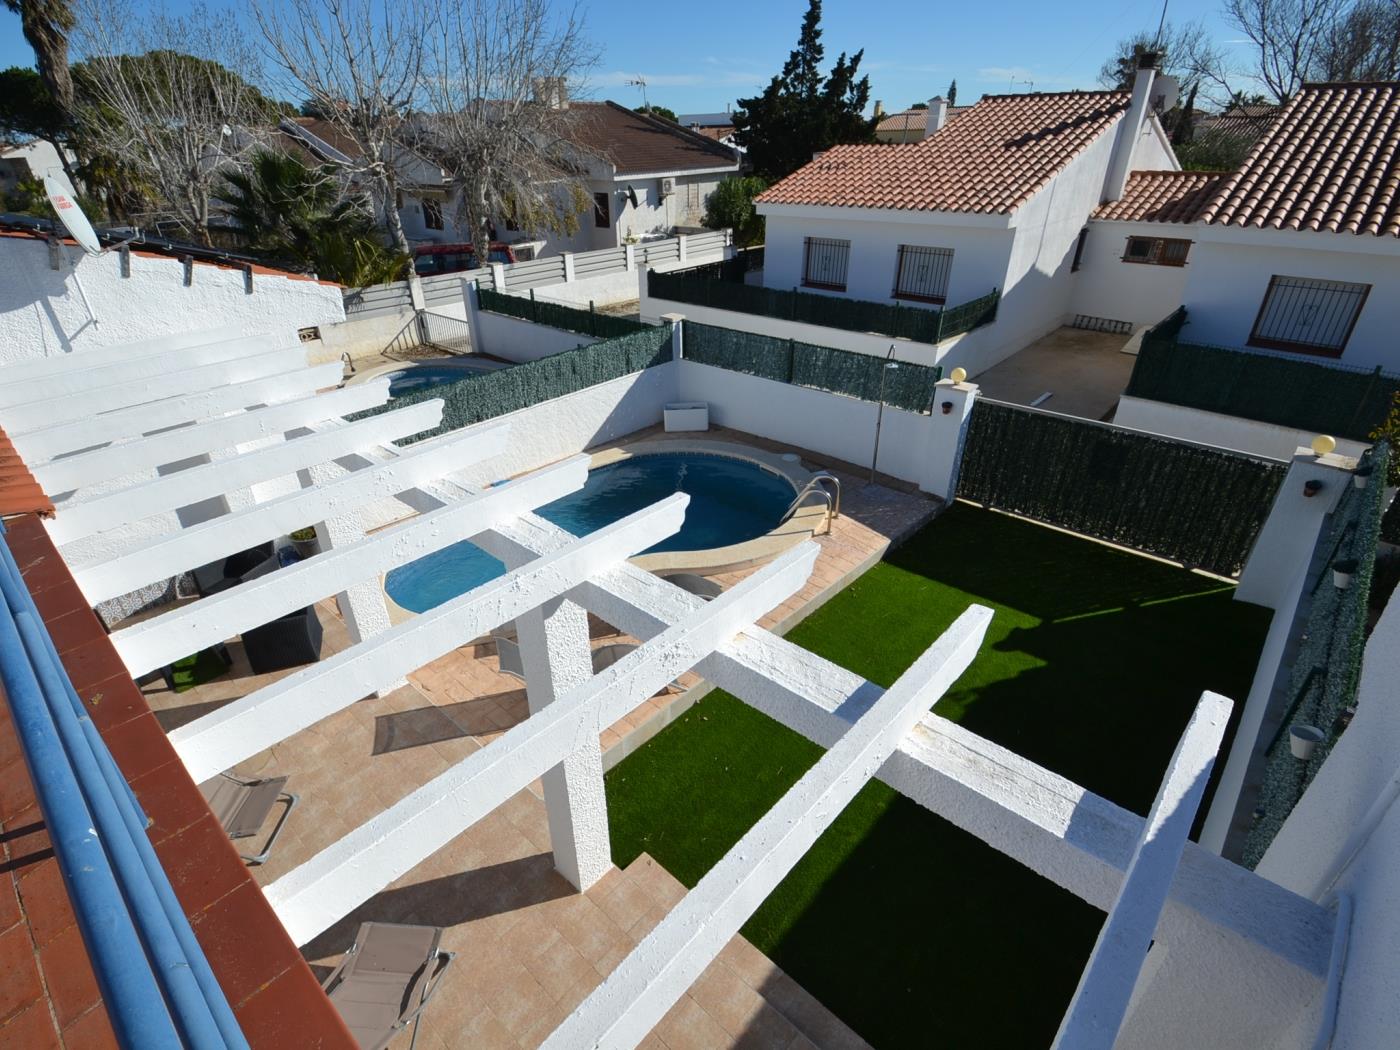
x: 46, y: 24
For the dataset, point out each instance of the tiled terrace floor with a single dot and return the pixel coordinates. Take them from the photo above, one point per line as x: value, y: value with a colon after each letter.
x: 1084, y: 372
x: 529, y: 947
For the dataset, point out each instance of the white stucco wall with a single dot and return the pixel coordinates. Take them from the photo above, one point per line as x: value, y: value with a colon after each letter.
x: 1212, y: 428
x: 1229, y: 275
x: 518, y: 340
x: 42, y: 312
x: 1106, y: 286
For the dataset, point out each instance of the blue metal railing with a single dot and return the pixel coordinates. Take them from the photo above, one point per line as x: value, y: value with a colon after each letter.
x: 156, y: 983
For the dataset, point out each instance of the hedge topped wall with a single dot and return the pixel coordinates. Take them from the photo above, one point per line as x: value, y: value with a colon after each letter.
x: 1190, y: 503
x: 557, y: 315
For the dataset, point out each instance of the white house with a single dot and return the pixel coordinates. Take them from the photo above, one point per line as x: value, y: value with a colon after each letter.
x: 25, y: 161
x: 994, y: 200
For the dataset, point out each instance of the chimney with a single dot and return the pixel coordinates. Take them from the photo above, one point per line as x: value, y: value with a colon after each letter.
x: 1130, y: 127
x: 551, y: 91
x: 879, y: 109
x: 937, y: 115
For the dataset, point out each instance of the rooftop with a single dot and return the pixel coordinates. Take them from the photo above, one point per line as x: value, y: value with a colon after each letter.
x: 1327, y: 163
x: 991, y: 160
x: 913, y: 119
x: 638, y: 144
x: 1163, y: 196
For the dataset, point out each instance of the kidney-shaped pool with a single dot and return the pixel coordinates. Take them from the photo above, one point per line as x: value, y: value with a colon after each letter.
x: 731, y: 500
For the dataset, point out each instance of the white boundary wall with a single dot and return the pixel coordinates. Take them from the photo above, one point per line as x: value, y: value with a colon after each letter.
x: 42, y: 310
x: 1212, y: 428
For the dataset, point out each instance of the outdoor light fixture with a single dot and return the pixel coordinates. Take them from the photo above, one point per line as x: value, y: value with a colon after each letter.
x: 1323, y: 444
x: 1303, y: 741
x: 957, y: 375
x: 947, y: 407
x: 1342, y: 572
x: 1312, y: 487
x: 1361, y: 475
x: 890, y: 365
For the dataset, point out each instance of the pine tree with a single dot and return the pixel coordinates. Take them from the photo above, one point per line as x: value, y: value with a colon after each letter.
x: 953, y: 93
x: 801, y: 112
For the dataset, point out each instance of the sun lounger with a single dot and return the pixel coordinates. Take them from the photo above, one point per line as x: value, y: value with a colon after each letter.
x: 386, y: 980
x: 241, y: 806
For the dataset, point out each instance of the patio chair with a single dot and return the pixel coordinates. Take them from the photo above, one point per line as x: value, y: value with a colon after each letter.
x: 385, y: 981
x: 241, y: 805
x: 236, y: 568
x: 694, y: 584
x: 288, y: 641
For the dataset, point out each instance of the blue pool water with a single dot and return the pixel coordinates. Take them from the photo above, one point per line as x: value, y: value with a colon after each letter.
x: 730, y: 501
x: 424, y: 376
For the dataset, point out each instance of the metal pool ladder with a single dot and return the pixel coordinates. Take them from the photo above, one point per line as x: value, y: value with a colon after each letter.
x: 825, y: 485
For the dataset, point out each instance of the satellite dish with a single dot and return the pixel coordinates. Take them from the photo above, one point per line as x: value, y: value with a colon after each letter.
x: 1165, y: 92
x: 64, y: 201
x: 632, y: 195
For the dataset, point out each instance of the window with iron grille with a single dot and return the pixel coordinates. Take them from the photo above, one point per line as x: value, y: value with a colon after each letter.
x: 602, y: 212
x: 825, y: 263
x: 1308, y: 316
x: 1157, y: 251
x: 432, y: 214
x: 922, y: 273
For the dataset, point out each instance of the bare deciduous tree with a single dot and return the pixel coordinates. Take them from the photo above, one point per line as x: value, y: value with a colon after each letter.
x: 171, y: 99
x: 1289, y: 37
x: 1188, y: 53
x: 499, y: 120
x: 1364, y: 44
x: 359, y: 63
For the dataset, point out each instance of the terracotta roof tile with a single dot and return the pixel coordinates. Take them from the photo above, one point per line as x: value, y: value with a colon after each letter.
x: 1163, y: 196
x: 1330, y: 162
x: 19, y: 492
x: 637, y: 144
x: 914, y: 119
x: 990, y: 160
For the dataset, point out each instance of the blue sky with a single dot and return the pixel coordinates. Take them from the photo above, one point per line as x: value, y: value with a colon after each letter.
x: 698, y: 57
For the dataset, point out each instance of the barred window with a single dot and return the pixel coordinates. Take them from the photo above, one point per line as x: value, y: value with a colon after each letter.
x: 432, y: 214
x: 825, y: 263
x: 1308, y: 316
x: 1157, y: 251
x: 602, y: 211
x: 922, y: 273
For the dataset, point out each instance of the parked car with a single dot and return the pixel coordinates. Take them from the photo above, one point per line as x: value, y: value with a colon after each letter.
x: 431, y: 259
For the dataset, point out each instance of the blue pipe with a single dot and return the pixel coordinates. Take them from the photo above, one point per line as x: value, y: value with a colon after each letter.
x: 130, y: 991
x: 135, y: 823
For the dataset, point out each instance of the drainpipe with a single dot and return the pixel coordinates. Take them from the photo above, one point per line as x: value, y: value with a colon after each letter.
x: 937, y: 115
x: 1130, y: 127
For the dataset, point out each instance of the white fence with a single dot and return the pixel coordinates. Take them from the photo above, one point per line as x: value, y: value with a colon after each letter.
x: 397, y: 296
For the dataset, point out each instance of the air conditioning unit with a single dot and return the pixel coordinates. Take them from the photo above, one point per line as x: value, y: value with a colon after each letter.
x: 668, y: 186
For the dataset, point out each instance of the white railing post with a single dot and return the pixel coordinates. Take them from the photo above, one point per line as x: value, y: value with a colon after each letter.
x: 681, y: 246
x: 677, y: 323
x: 568, y: 267
x: 947, y: 431
x: 472, y: 298
x: 498, y: 276
x: 630, y: 254
x: 415, y: 291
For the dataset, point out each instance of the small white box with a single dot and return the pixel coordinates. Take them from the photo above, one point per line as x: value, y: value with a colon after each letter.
x: 686, y: 415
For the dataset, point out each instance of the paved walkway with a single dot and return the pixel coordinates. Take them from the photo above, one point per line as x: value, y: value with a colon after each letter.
x: 1084, y: 372
x: 530, y: 947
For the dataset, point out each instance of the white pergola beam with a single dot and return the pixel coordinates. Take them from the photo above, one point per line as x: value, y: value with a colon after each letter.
x: 197, y: 545
x: 19, y: 419
x: 339, y: 878
x: 155, y: 642
x: 238, y: 730
x: 170, y: 446
x: 171, y: 491
x: 48, y: 442
x: 635, y: 996
x: 22, y: 371
x: 100, y: 375
x: 1105, y: 988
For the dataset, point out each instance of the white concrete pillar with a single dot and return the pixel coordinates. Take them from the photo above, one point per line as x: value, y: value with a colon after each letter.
x: 472, y: 300
x: 681, y: 246
x: 1285, y: 543
x: 568, y: 267
x: 630, y: 253
x: 677, y: 323
x: 498, y: 276
x: 415, y: 291
x: 555, y: 652
x: 947, y: 431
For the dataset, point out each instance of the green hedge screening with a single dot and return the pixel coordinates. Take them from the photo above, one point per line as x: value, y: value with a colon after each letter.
x: 1324, y: 399
x: 909, y: 386
x: 493, y: 394
x: 706, y: 286
x: 557, y: 315
x: 1193, y: 504
x: 1327, y: 665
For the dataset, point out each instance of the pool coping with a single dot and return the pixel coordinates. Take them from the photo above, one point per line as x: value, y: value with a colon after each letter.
x: 803, y: 524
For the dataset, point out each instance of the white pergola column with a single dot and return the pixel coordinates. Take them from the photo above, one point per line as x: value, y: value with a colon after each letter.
x: 557, y: 657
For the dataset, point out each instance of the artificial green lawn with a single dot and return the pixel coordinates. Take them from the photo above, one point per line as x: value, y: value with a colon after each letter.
x: 913, y: 932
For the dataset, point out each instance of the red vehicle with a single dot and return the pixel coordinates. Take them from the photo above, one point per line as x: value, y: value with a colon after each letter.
x: 432, y: 259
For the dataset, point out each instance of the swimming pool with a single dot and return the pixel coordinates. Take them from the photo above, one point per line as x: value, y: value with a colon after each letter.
x: 427, y: 375
x: 731, y: 500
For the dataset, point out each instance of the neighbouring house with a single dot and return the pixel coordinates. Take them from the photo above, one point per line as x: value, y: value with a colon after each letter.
x: 998, y: 199
x: 26, y: 161
x: 718, y: 127
x: 910, y: 125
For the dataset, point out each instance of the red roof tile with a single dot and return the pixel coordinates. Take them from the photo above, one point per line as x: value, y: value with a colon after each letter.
x: 1163, y: 196
x: 914, y: 119
x: 638, y: 144
x: 19, y: 492
x: 1330, y: 162
x: 992, y: 159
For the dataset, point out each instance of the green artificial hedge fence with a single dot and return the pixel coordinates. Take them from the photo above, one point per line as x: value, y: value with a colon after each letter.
x: 1194, y: 504
x: 707, y: 286
x: 910, y: 386
x: 557, y: 315
x: 491, y: 394
x: 1325, y: 399
x: 1327, y: 664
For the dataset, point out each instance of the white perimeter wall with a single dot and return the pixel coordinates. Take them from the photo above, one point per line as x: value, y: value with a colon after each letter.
x: 517, y: 340
x: 42, y: 312
x: 1106, y: 286
x: 1212, y: 428
x: 1226, y: 282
